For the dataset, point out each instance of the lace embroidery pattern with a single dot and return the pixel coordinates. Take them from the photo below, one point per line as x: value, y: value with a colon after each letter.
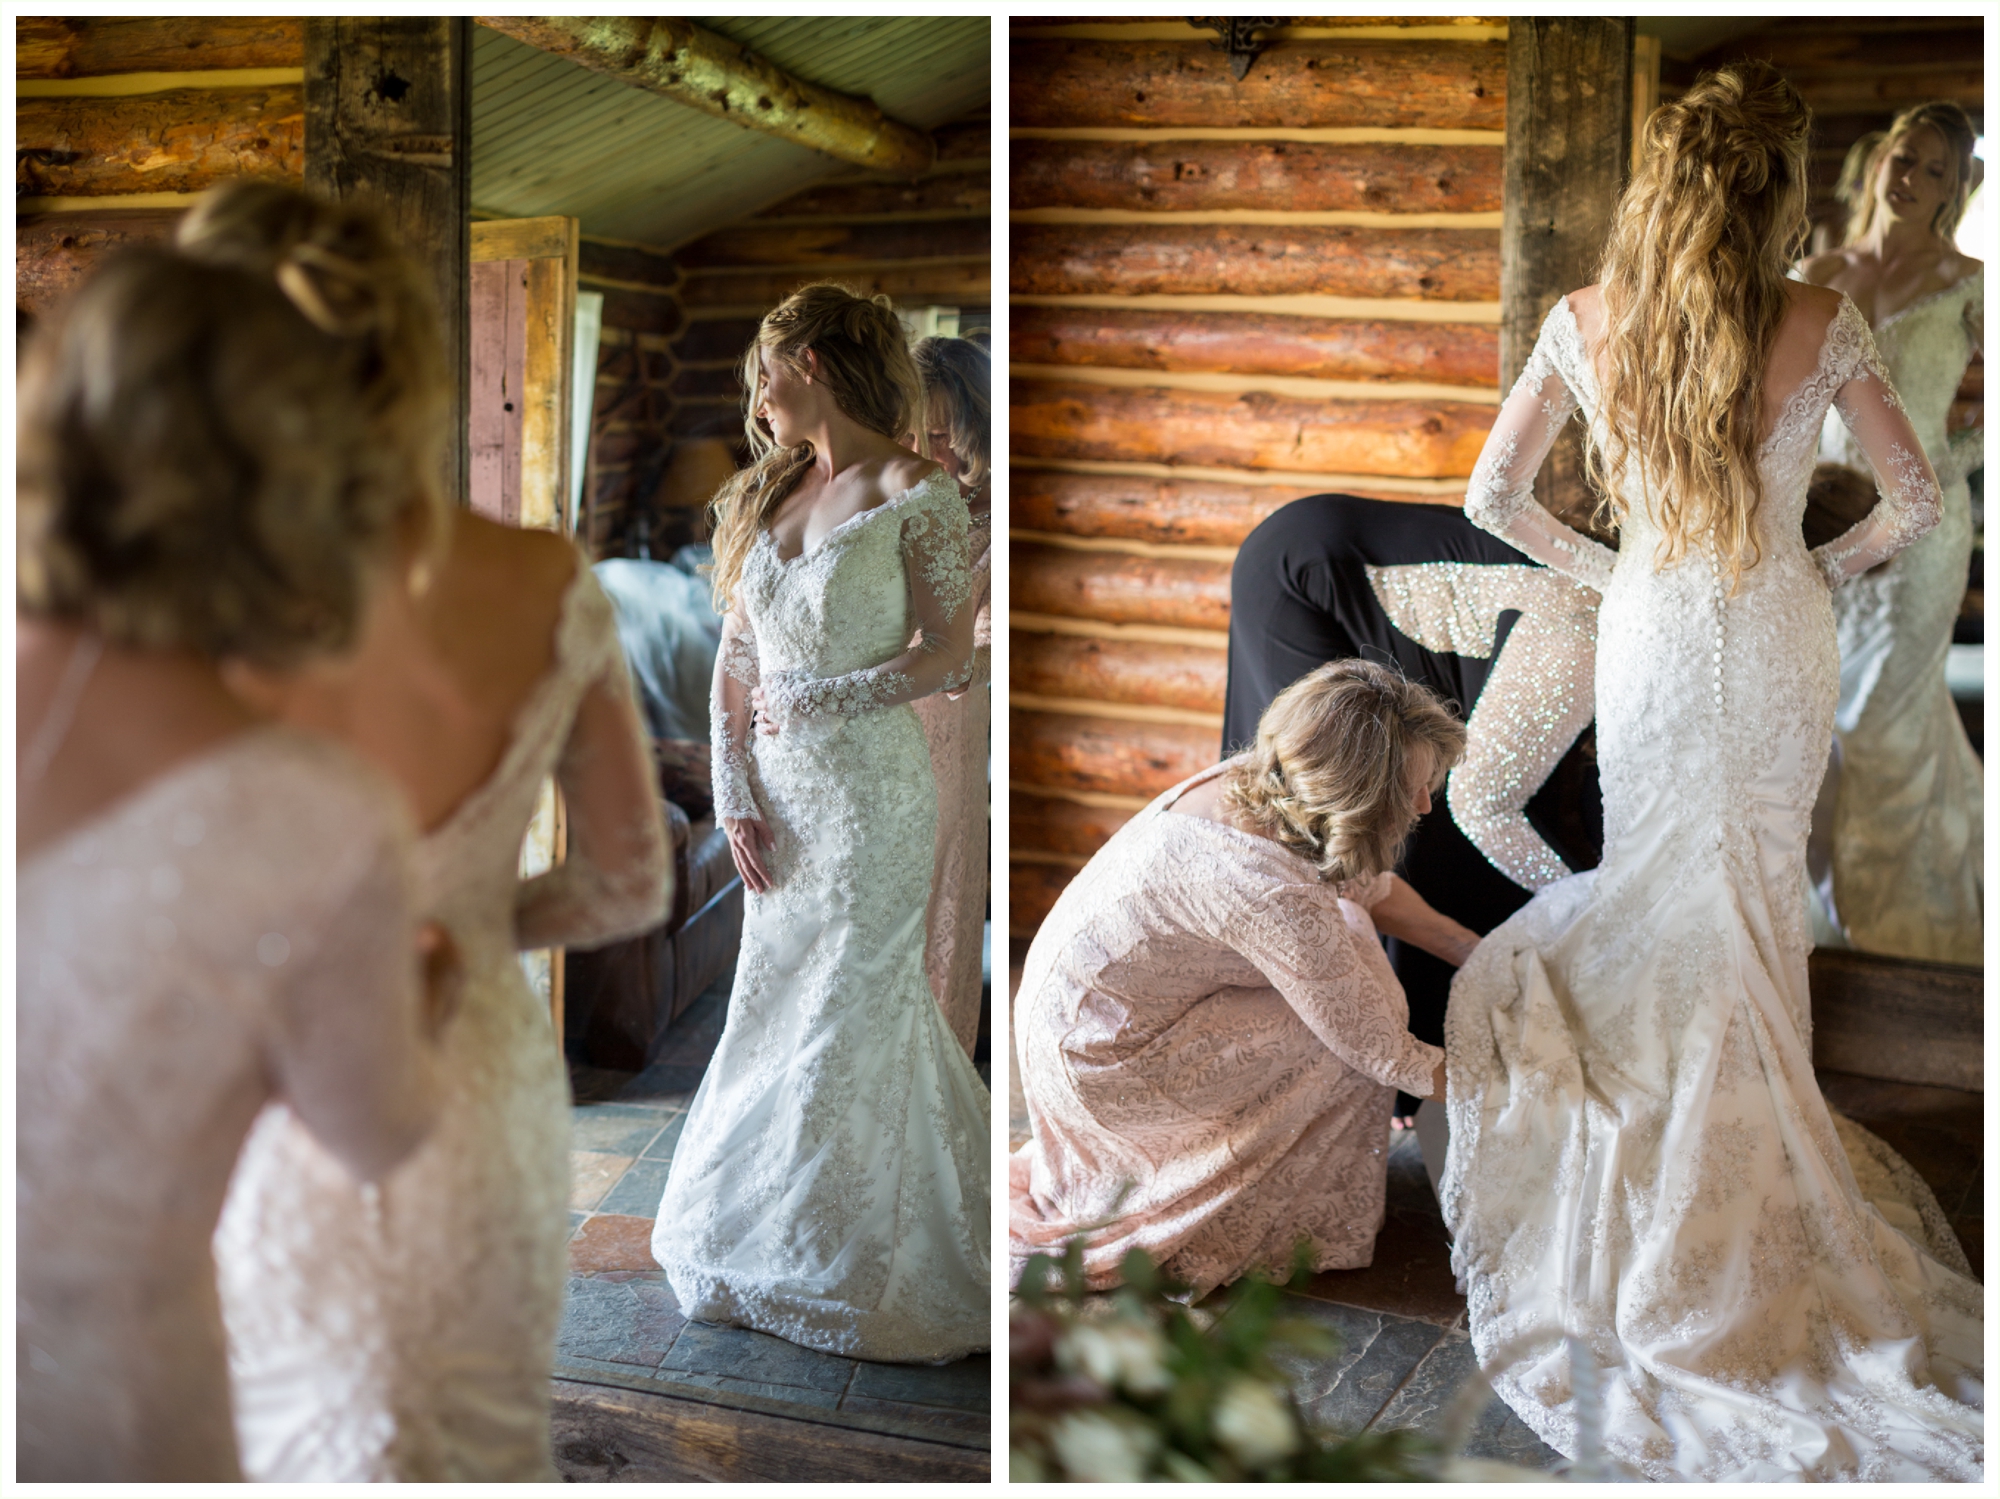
x: 1634, y: 1117
x: 1539, y: 696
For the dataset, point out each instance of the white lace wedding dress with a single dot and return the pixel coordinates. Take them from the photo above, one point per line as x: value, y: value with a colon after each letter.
x: 830, y: 1185
x: 1907, y: 847
x: 1640, y: 1158
x: 406, y: 1332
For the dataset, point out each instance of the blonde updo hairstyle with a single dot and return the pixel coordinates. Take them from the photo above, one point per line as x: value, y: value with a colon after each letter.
x: 1694, y: 292
x: 341, y: 267
x: 195, y: 467
x: 957, y: 376
x: 1954, y: 127
x: 863, y: 359
x: 1329, y: 775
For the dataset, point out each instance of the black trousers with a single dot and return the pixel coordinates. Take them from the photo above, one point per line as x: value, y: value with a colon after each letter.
x: 1299, y: 597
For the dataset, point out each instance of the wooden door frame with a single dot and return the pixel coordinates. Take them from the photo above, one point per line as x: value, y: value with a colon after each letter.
x: 549, y: 245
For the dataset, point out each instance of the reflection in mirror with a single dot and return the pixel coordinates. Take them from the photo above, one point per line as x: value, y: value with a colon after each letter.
x: 1898, y: 132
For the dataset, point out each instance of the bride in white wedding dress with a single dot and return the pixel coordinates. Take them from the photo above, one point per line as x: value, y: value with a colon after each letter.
x: 830, y: 1185
x: 1908, y: 867
x: 1641, y: 1166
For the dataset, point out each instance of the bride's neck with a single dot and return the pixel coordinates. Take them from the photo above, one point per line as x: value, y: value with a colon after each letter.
x: 840, y: 443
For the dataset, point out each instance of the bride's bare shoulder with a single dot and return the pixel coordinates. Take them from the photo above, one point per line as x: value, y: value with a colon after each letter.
x: 1586, y: 305
x: 902, y: 474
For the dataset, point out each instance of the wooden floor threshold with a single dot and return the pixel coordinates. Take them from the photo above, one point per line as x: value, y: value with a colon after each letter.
x: 610, y: 1434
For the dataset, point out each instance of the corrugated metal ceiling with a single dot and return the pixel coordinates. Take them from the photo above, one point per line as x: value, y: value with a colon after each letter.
x: 549, y: 136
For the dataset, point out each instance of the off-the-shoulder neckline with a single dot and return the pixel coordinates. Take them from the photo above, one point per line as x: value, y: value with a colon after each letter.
x: 860, y: 515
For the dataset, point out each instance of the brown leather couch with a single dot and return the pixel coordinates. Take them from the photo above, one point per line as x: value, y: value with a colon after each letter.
x: 619, y: 1000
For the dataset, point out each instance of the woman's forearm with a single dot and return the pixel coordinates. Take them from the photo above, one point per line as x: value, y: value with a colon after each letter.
x: 1408, y: 917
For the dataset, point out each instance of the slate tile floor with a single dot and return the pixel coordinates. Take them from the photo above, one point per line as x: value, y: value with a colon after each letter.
x: 1404, y: 1349
x: 621, y: 1324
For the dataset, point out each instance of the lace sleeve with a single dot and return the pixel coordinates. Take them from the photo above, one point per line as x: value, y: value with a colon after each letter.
x: 1322, y: 955
x: 941, y: 595
x: 736, y: 674
x: 1500, y: 497
x: 1911, y: 503
x: 615, y: 880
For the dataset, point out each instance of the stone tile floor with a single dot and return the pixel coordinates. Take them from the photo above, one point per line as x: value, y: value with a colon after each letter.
x: 1405, y: 1351
x: 621, y: 1324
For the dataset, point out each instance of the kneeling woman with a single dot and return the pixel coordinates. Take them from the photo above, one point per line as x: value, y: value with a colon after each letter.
x: 1210, y: 1037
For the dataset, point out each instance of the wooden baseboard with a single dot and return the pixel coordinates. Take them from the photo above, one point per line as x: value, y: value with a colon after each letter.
x: 605, y: 1434
x: 1899, y: 1019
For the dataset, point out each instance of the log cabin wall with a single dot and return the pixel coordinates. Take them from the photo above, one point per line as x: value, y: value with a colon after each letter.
x: 668, y: 373
x: 119, y: 123
x: 1225, y: 295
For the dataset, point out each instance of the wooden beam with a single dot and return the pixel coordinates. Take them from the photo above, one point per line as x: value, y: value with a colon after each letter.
x: 91, y: 46
x: 966, y: 193
x: 1032, y: 890
x: 1120, y: 588
x: 607, y: 1433
x: 1055, y: 825
x: 835, y: 244
x: 949, y: 283
x: 1896, y: 1018
x: 1257, y: 344
x: 180, y: 141
x: 1295, y: 85
x: 1085, y: 669
x: 1292, y: 176
x: 55, y: 251
x: 1201, y: 512
x: 389, y: 122
x: 1569, y: 122
x: 1271, y: 260
x: 670, y: 55
x: 1256, y: 430
x: 1084, y: 752
x: 524, y: 239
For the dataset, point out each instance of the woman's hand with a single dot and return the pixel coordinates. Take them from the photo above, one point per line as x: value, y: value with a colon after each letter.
x: 443, y: 976
x: 748, y: 836
x: 1437, y: 1082
x: 760, y: 715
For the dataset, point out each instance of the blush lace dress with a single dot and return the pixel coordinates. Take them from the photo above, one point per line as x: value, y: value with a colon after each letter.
x: 407, y: 1332
x: 1908, y: 851
x: 237, y: 928
x: 1641, y: 1165
x: 960, y: 735
x: 1211, y: 1041
x: 830, y: 1185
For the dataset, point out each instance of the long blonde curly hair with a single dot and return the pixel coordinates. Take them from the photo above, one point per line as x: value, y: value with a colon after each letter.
x: 1329, y: 774
x: 1694, y: 292
x: 863, y: 359
x: 1955, y: 129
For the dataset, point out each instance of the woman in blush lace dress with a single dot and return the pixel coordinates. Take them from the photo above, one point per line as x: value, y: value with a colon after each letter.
x: 830, y: 1185
x: 212, y: 912
x: 408, y: 1332
x: 1907, y: 817
x: 1209, y: 1034
x: 956, y: 413
x: 1642, y: 1174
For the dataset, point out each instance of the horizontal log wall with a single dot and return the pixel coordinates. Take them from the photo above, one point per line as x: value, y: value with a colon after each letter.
x: 1227, y: 295
x: 684, y: 320
x: 121, y: 122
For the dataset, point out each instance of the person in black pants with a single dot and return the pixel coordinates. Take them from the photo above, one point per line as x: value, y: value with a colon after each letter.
x: 1301, y: 596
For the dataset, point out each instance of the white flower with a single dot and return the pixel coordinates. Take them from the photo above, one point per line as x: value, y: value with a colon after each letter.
x: 1128, y: 1354
x: 1253, y: 1421
x: 1099, y: 1447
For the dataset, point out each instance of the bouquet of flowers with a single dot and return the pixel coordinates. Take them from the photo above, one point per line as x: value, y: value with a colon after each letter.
x: 1137, y: 1388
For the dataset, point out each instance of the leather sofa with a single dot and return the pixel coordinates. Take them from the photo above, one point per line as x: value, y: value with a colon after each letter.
x: 618, y: 1001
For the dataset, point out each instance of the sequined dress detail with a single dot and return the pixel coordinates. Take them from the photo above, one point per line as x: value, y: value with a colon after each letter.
x: 830, y: 1185
x: 1640, y: 1156
x: 406, y: 1332
x: 1908, y: 851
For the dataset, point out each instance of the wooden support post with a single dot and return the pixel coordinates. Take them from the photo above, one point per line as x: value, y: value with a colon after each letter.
x: 389, y: 121
x: 1569, y: 132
